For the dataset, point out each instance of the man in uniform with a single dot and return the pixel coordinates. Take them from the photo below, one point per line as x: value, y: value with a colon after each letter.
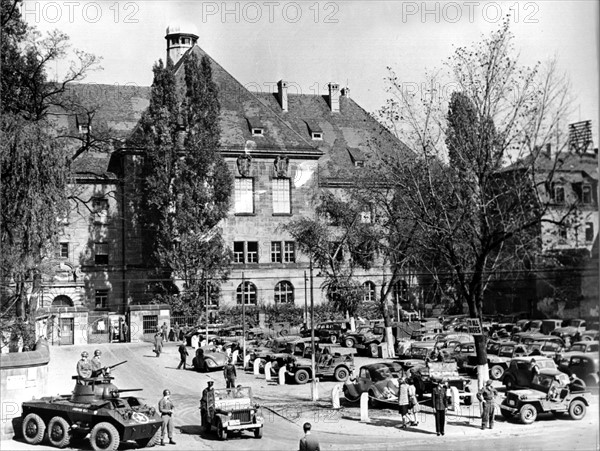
x: 308, y: 442
x: 205, y: 402
x: 486, y: 397
x: 229, y: 373
x: 182, y: 355
x: 84, y: 366
x: 96, y: 364
x: 165, y: 407
x: 440, y: 404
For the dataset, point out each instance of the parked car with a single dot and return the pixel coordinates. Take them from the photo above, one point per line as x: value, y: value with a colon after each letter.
x: 464, y: 354
x: 207, y: 358
x: 351, y: 338
x: 548, y: 325
x: 519, y: 373
x: 379, y: 380
x: 590, y: 335
x: 329, y: 331
x: 499, y: 363
x: 430, y: 373
x: 585, y: 367
x: 546, y: 348
x: 549, y: 393
x: 570, y: 331
x: 327, y: 364
x: 581, y: 347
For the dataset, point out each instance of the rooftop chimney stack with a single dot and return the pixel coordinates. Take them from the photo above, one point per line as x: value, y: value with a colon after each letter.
x: 334, y: 97
x: 346, y: 92
x: 282, y: 94
x: 180, y: 40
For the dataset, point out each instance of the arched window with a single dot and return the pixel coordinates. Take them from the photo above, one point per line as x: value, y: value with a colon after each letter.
x: 369, y: 291
x: 62, y: 301
x: 248, y: 293
x: 284, y: 292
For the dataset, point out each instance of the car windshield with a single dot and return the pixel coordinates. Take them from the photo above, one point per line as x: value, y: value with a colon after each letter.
x: 385, y: 371
x: 546, y: 363
x: 420, y: 352
x: 506, y: 351
x: 550, y: 347
x: 233, y: 393
x: 578, y: 348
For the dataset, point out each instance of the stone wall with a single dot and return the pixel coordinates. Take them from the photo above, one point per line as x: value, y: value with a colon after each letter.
x: 136, y: 317
x: 23, y: 376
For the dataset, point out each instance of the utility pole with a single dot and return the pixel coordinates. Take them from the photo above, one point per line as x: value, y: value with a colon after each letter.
x: 305, y: 301
x: 244, y: 318
x: 312, y: 335
x: 206, y: 305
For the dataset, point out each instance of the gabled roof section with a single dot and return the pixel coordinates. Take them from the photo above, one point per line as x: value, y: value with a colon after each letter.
x: 356, y: 154
x: 313, y: 126
x: 239, y: 106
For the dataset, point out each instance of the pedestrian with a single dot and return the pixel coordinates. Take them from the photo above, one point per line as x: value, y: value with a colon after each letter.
x: 194, y: 341
x: 181, y: 334
x: 172, y: 335
x: 165, y: 407
x: 176, y: 332
x: 403, y: 403
x: 125, y: 332
x: 413, y: 403
x: 229, y: 373
x: 309, y: 441
x: 163, y: 330
x: 158, y: 343
x: 486, y: 397
x: 535, y: 370
x: 206, y: 401
x: 96, y: 364
x: 183, y: 353
x: 440, y: 404
x: 84, y: 367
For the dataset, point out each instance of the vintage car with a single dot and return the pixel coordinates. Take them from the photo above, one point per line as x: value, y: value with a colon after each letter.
x: 278, y: 351
x: 551, y: 392
x: 548, y: 325
x: 230, y: 410
x: 208, y: 358
x: 329, y: 331
x: 351, y: 338
x: 581, y: 347
x: 463, y: 354
x: 327, y: 364
x: 519, y: 373
x: 585, y: 367
x: 429, y: 373
x: 499, y: 363
x: 379, y: 380
x: 546, y: 348
x: 590, y: 335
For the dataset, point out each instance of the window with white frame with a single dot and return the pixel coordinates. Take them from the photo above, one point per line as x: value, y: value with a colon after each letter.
x: 368, y: 291
x: 281, y: 196
x: 284, y: 292
x: 244, y: 195
x: 63, y: 250
x: 246, y: 293
x: 276, y: 255
x: 289, y: 252
x: 245, y: 252
x: 101, y: 253
x: 100, y: 207
x: 101, y: 298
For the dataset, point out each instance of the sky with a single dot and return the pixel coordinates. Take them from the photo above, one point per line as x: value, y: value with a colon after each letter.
x: 311, y: 43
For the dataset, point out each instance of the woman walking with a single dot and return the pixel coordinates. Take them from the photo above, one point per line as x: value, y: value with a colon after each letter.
x: 403, y: 401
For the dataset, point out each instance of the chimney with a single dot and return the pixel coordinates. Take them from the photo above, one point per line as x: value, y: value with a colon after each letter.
x: 334, y: 97
x: 179, y: 40
x: 346, y: 92
x: 282, y: 94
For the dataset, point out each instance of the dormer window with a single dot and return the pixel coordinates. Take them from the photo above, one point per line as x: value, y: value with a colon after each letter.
x: 316, y: 133
x: 357, y: 157
x: 256, y: 126
x: 83, y: 125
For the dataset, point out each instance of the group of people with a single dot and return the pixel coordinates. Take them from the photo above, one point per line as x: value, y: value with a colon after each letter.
x: 87, y: 368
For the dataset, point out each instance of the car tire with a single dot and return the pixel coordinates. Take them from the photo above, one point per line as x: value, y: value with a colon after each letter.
x: 149, y: 442
x: 496, y: 372
x: 59, y: 434
x: 468, y: 399
x: 341, y: 374
x: 349, y: 343
x: 34, y: 429
x: 577, y: 409
x: 372, y: 402
x: 221, y: 432
x: 527, y: 414
x: 301, y: 377
x: 374, y: 350
x: 258, y: 432
x: 348, y: 396
x: 104, y: 437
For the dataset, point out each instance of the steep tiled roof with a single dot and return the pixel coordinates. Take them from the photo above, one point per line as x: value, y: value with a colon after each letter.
x: 584, y: 165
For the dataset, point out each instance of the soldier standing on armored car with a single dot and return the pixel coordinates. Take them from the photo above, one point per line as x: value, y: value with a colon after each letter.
x: 84, y: 367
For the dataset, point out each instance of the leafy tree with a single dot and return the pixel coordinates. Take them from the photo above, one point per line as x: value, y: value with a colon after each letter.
x: 474, y: 192
x: 186, y: 185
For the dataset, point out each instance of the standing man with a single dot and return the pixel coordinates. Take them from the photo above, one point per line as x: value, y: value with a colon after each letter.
x: 96, y: 364
x: 403, y: 401
x: 84, y: 367
x: 158, y: 343
x: 440, y: 404
x: 163, y: 329
x: 165, y: 407
x: 486, y: 397
x: 206, y: 403
x: 308, y: 442
x: 229, y: 373
x: 125, y: 332
x: 183, y: 355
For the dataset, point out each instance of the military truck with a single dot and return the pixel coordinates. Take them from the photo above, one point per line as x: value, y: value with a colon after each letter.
x: 230, y: 410
x: 327, y: 364
x: 96, y: 407
x: 426, y: 375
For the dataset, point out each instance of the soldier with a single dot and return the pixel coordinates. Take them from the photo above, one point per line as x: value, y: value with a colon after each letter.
x: 205, y: 403
x: 165, y: 407
x: 96, y: 365
x: 440, y: 404
x: 183, y: 355
x: 230, y: 374
x: 84, y: 366
x: 486, y: 396
x: 158, y: 343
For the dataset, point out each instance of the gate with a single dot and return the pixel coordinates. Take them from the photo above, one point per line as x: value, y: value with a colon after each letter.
x: 60, y: 331
x: 99, y: 328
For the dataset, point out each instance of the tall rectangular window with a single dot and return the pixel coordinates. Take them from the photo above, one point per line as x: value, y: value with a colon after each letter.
x: 100, y: 207
x: 289, y: 252
x: 63, y: 250
x: 275, y: 252
x: 559, y: 194
x: 244, y: 195
x: 150, y: 324
x: 238, y: 252
x: 245, y: 252
x: 281, y: 196
x: 586, y: 194
x: 589, y: 232
x: 101, y: 253
x: 252, y: 253
x: 101, y: 299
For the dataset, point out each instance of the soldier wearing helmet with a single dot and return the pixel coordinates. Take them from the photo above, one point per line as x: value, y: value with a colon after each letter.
x: 96, y: 364
x: 84, y: 366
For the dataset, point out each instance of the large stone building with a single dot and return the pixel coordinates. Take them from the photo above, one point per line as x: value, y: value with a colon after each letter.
x: 282, y: 149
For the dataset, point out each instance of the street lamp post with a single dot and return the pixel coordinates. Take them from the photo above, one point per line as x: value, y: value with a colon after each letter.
x: 312, y: 336
x: 243, y: 318
x: 305, y: 300
x: 206, y: 302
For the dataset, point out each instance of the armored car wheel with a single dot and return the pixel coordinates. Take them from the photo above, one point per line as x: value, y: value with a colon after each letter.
x: 341, y: 374
x: 149, y: 442
x: 34, y: 429
x: 104, y: 436
x: 528, y: 414
x: 349, y: 342
x: 301, y: 377
x: 258, y: 432
x: 58, y: 432
x: 577, y: 409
